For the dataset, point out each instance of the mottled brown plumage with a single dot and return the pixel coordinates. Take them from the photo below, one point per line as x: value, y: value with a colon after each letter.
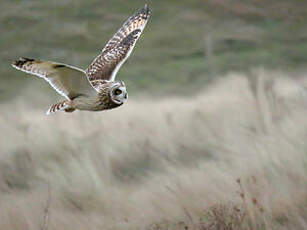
x: 94, y: 89
x: 118, y: 49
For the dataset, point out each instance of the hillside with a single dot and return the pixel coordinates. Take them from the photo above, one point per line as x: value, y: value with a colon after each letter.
x: 186, y: 43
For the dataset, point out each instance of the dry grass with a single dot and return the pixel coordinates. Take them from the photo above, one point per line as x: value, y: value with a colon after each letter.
x: 170, y: 164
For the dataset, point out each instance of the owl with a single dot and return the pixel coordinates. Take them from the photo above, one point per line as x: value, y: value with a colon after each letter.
x: 94, y: 89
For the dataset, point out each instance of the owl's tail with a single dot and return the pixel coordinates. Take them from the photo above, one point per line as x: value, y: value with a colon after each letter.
x: 64, y: 105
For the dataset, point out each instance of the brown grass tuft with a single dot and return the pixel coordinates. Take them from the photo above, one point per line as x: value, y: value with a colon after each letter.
x: 232, y: 157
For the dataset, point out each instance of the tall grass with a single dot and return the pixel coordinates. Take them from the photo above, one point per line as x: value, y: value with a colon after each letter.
x: 231, y: 157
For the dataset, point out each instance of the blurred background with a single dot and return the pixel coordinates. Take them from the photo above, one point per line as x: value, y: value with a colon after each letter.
x: 214, y: 135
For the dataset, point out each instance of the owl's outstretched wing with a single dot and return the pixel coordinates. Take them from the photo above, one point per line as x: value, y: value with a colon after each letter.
x: 67, y: 80
x: 118, y: 49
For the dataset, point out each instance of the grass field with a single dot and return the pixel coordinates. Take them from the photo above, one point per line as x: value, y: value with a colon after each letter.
x: 231, y: 157
x: 213, y: 136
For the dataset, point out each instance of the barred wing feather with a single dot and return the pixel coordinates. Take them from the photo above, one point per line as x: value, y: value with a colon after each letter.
x: 106, y: 65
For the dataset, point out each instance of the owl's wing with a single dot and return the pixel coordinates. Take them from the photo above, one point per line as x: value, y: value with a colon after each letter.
x: 106, y: 65
x: 67, y: 80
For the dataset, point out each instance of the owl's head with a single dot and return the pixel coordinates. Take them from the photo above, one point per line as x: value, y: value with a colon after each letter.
x: 118, y: 92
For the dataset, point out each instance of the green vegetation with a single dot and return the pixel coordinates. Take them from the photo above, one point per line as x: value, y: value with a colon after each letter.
x: 172, y: 52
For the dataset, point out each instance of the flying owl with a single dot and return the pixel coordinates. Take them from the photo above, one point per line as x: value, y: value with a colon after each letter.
x: 94, y: 89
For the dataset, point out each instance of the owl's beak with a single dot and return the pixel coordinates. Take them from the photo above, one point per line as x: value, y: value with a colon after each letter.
x: 125, y: 97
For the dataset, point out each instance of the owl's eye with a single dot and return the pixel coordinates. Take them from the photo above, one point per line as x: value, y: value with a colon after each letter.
x: 117, y: 92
